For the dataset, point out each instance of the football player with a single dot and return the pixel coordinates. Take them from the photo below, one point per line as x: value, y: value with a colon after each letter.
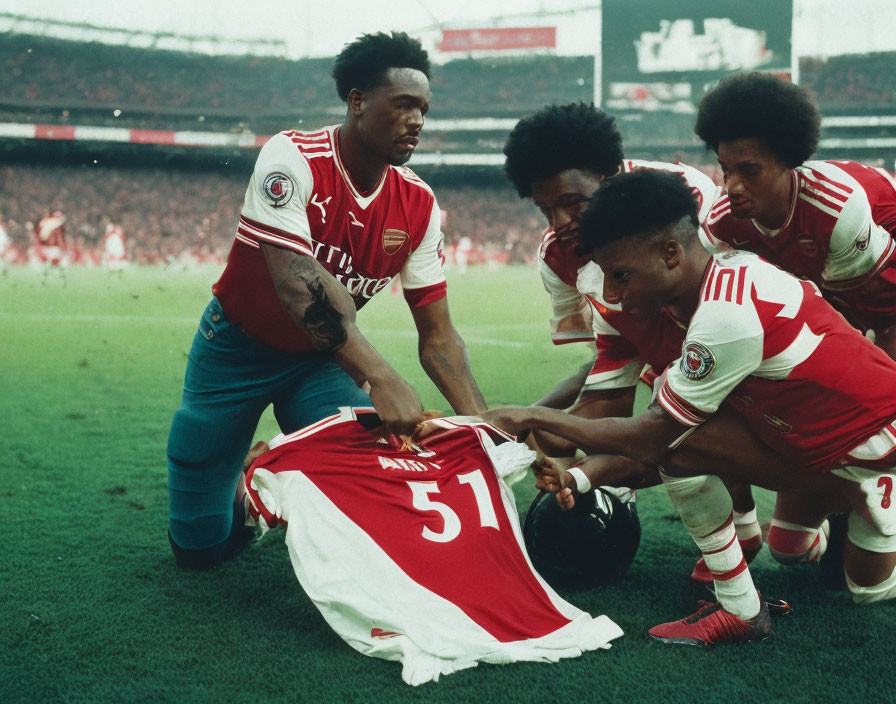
x: 559, y: 157
x: 766, y: 344
x: 831, y: 222
x: 330, y: 218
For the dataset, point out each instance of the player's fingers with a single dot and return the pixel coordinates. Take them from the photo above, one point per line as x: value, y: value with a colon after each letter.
x: 566, y: 499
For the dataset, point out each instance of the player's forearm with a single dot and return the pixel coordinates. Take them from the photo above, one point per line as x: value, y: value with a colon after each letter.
x: 361, y: 360
x: 564, y: 394
x: 313, y: 299
x: 645, y: 438
x: 446, y: 362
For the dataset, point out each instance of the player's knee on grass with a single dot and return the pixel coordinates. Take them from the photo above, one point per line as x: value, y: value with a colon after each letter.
x: 236, y: 532
x: 792, y: 544
x: 864, y: 535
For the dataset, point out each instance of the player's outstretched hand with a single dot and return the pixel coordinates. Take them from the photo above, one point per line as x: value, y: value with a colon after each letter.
x: 552, y: 478
x: 513, y: 420
x: 397, y: 405
x: 258, y: 449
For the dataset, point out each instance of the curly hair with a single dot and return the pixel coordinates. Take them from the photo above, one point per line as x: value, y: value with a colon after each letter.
x: 363, y: 63
x: 761, y: 105
x: 561, y: 137
x: 641, y: 203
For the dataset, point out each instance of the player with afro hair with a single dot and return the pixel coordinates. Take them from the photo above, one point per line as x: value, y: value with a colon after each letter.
x: 560, y: 157
x: 762, y: 106
x: 559, y: 138
x: 832, y: 222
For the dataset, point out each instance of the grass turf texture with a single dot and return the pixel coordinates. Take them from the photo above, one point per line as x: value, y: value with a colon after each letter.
x: 92, y: 608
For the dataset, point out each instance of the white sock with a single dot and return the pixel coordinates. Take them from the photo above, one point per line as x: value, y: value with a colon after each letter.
x: 746, y: 525
x: 706, y: 511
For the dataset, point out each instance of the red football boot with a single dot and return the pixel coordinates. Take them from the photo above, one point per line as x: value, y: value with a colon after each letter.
x: 710, y: 625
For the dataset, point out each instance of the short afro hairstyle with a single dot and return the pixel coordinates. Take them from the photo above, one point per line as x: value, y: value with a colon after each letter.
x: 761, y: 105
x: 558, y: 138
x: 641, y: 203
x: 363, y: 63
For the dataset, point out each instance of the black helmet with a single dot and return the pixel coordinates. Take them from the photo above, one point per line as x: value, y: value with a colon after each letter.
x: 592, y: 544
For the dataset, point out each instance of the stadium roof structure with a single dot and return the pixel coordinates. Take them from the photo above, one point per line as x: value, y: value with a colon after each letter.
x: 192, y: 43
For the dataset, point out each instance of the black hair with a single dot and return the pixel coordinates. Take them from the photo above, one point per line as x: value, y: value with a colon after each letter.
x: 363, y: 63
x: 641, y: 203
x: 761, y: 105
x: 561, y: 137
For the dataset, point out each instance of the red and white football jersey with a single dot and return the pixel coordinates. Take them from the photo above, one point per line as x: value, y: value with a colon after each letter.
x: 810, y: 385
x: 302, y: 198
x: 838, y: 233
x: 415, y: 554
x: 559, y: 265
x: 625, y: 344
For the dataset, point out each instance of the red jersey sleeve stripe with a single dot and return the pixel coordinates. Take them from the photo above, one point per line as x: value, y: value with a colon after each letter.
x: 272, y: 235
x: 678, y: 408
x: 418, y: 297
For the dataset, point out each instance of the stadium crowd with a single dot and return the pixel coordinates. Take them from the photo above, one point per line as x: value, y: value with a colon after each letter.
x: 179, y: 216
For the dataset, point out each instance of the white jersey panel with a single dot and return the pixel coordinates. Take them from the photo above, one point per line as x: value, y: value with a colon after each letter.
x: 425, y: 266
x: 724, y: 341
x: 857, y: 244
x: 571, y: 321
x: 280, y: 156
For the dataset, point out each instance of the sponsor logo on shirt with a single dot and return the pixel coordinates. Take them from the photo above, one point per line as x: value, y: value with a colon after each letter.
x: 697, y: 361
x: 393, y: 240
x: 278, y: 189
x: 321, y: 205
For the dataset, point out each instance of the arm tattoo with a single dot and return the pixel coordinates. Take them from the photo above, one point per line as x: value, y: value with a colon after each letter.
x: 322, y: 321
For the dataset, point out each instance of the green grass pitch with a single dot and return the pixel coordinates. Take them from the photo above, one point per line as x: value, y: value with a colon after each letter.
x: 92, y: 608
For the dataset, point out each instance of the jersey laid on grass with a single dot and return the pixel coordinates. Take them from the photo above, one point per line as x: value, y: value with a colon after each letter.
x: 301, y: 198
x: 624, y: 344
x: 559, y: 265
x: 415, y: 554
x: 811, y: 386
x: 838, y: 232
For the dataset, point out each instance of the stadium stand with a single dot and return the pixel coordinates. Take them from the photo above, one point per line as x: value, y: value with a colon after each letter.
x: 180, y: 203
x: 857, y: 83
x: 63, y: 81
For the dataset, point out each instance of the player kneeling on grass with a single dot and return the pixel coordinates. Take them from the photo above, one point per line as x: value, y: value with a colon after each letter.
x: 559, y: 157
x: 807, y: 384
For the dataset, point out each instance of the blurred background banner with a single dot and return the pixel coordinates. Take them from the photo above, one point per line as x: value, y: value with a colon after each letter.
x: 498, y: 39
x: 664, y: 56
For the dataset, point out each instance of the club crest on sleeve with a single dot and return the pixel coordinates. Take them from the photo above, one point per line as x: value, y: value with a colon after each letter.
x: 697, y: 361
x: 278, y: 189
x: 393, y: 240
